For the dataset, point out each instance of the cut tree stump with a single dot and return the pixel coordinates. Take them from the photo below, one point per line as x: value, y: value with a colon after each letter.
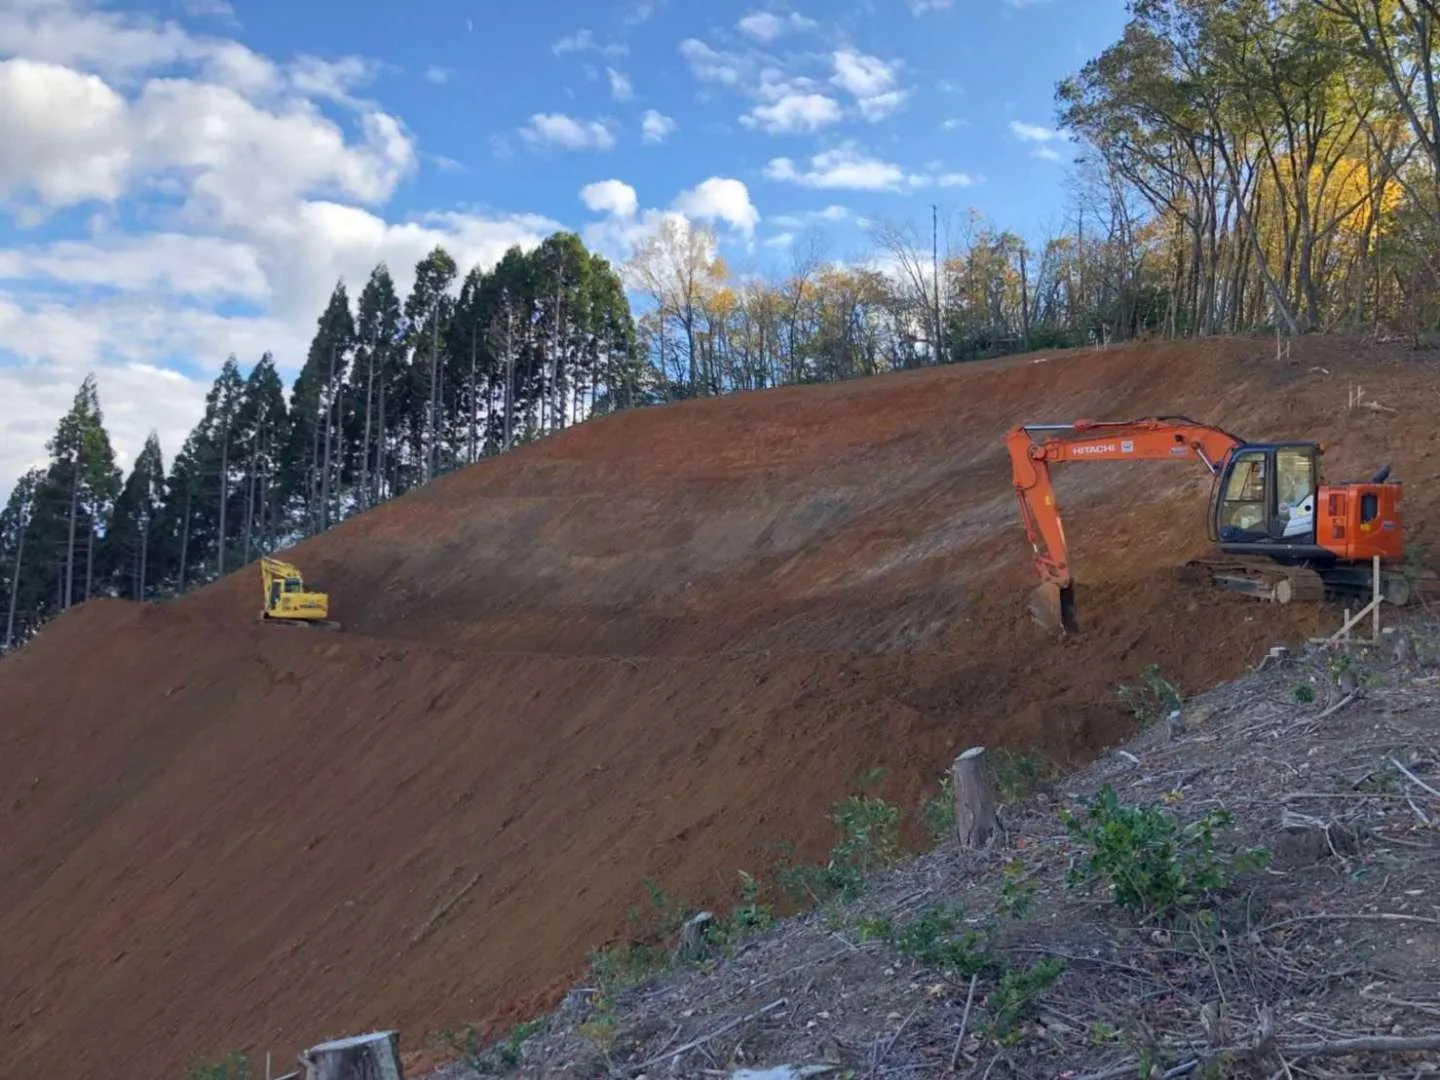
x: 974, y: 801
x: 375, y: 1056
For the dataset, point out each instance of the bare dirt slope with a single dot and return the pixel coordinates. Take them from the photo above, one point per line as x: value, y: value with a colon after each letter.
x: 655, y: 645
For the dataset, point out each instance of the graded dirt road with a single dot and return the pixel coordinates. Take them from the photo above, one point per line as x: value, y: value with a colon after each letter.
x: 657, y: 645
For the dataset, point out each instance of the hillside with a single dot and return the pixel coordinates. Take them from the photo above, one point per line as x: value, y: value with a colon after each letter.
x: 656, y: 645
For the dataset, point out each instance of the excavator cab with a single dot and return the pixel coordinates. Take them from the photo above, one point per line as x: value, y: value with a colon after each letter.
x: 1271, y: 499
x: 286, y: 599
x: 1266, y: 498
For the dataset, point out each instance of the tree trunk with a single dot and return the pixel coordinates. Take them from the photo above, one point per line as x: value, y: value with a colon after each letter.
x: 361, y: 1057
x: 474, y: 392
x: 434, y: 383
x: 144, y: 558
x: 224, y: 487
x: 184, y: 544
x: 325, y: 467
x: 70, y: 544
x: 90, y: 558
x: 24, y: 526
x: 365, y: 438
x: 975, y: 820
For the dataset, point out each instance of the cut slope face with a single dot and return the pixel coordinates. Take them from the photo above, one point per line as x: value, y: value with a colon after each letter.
x: 654, y: 646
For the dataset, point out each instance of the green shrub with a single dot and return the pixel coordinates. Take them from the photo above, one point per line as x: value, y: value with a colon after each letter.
x: 1155, y: 864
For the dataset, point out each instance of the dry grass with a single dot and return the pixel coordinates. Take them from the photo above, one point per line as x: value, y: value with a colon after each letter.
x: 1323, y: 963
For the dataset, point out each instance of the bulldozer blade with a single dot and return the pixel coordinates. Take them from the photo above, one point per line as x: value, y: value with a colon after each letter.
x: 1053, y: 607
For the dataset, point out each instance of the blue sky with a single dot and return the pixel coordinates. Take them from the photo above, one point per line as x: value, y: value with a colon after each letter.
x: 189, y: 178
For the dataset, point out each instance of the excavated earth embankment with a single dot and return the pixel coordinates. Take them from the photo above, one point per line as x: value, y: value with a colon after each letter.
x: 659, y: 645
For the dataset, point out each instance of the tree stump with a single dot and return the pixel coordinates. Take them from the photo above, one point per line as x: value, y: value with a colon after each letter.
x: 375, y: 1056
x: 974, y: 801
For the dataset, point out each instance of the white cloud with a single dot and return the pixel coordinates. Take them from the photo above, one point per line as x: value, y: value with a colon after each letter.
x: 613, y: 197
x: 766, y: 26
x: 438, y: 75
x: 708, y: 65
x: 584, y: 41
x: 1033, y: 132
x: 557, y: 129
x: 794, y: 114
x: 846, y: 167
x: 656, y: 127
x: 871, y: 81
x: 1043, y: 136
x: 720, y: 199
x: 953, y: 122
x: 251, y: 202
x: 620, y: 86
x: 831, y: 213
x: 919, y: 7
x: 780, y: 240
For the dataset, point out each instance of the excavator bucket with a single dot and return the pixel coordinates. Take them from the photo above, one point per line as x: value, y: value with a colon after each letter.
x: 1053, y: 608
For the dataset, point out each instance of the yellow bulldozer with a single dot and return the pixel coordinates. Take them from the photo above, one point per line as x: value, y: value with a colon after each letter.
x: 286, y: 601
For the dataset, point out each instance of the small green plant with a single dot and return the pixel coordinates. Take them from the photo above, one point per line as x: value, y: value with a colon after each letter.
x: 1016, y: 997
x: 1017, y: 892
x: 1154, y: 699
x: 233, y: 1066
x: 938, y: 811
x: 869, y: 830
x: 938, y: 939
x: 1305, y: 694
x: 1017, y: 776
x: 467, y: 1045
x: 1155, y: 864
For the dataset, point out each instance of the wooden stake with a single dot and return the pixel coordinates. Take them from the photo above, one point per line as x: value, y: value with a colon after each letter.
x: 375, y: 1056
x: 1375, y: 603
x: 974, y: 801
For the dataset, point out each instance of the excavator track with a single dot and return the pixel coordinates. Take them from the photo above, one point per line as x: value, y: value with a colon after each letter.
x: 1276, y: 582
x: 313, y: 624
x: 1263, y: 579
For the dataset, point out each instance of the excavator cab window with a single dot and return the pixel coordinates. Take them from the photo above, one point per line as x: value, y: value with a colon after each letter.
x: 1295, y: 484
x: 1242, y: 508
x: 292, y: 585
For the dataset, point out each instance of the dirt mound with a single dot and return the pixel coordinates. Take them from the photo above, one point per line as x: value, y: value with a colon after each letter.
x: 656, y: 645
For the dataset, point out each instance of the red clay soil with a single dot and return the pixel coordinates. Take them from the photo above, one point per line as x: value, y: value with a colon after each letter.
x: 657, y: 645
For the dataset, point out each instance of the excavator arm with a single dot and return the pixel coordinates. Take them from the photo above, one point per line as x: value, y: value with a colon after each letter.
x: 1033, y: 447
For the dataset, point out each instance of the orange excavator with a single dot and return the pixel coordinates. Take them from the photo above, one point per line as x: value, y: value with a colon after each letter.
x: 1283, y: 532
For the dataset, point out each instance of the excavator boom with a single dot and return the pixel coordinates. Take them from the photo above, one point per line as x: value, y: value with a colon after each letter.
x: 1034, y: 446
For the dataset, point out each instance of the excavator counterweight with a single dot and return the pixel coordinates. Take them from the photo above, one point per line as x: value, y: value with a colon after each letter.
x: 287, y: 603
x: 1283, y: 533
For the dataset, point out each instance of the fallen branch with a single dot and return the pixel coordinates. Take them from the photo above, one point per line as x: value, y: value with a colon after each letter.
x: 1367, y: 1044
x: 695, y: 1043
x: 964, y: 1023
x: 1333, y: 709
x: 1358, y: 916
x: 1415, y: 779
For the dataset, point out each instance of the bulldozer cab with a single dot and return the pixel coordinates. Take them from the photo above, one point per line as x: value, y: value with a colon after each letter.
x: 1265, y: 497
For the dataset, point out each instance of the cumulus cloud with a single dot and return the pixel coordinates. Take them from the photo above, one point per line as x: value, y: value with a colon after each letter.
x: 848, y: 168
x: 251, y: 202
x: 871, y: 81
x: 794, y: 114
x: 613, y: 197
x: 557, y: 129
x: 620, y: 86
x: 1042, y: 137
x: 720, y: 199
x: 656, y: 127
x: 766, y: 26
